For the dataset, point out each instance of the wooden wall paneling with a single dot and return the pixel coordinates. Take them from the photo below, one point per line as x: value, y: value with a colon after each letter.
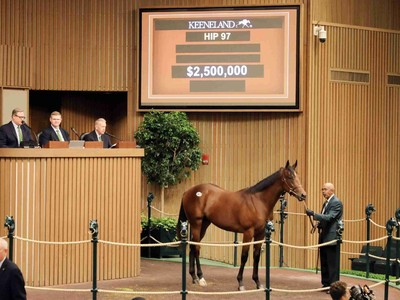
x: 122, y: 207
x: 47, y: 208
x: 75, y: 45
x: 113, y: 224
x: 357, y: 12
x: 15, y: 65
x: 353, y: 121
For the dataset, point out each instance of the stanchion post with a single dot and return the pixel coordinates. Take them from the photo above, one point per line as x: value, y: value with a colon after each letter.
x: 389, y: 228
x: 339, y: 233
x: 150, y: 198
x: 94, y: 230
x: 10, y: 225
x: 283, y: 216
x: 269, y: 228
x: 235, y: 250
x: 184, y: 235
x: 397, y: 215
x: 368, y: 212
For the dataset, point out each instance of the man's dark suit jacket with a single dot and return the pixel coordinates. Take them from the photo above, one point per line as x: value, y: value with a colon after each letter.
x: 12, y: 284
x: 328, y: 221
x: 48, y: 134
x: 8, y: 136
x: 92, y: 136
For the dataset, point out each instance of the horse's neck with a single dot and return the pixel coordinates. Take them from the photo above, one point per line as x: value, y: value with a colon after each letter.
x: 270, y: 196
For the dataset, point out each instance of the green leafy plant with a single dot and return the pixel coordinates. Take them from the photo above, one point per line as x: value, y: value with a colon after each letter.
x: 363, y: 274
x: 171, y: 147
x: 168, y: 223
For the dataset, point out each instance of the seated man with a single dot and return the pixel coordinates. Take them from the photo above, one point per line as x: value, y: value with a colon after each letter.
x: 98, y: 134
x: 16, y: 131
x: 54, y: 132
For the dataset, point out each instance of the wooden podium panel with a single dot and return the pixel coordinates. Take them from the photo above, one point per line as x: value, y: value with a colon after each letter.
x: 125, y: 144
x: 54, y: 193
x: 94, y: 144
x: 56, y: 144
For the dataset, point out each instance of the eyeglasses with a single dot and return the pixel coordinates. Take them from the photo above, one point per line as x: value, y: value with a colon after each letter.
x: 21, y: 117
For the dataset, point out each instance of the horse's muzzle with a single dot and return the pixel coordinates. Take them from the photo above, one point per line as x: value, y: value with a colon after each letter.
x: 302, y: 197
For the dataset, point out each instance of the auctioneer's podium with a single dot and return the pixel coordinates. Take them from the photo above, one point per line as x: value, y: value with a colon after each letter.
x: 53, y: 194
x: 57, y: 144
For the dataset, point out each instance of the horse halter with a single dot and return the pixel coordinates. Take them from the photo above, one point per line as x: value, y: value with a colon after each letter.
x: 291, y: 189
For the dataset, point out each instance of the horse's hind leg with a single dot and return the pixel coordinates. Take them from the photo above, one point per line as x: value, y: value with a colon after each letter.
x: 204, y: 227
x: 256, y: 255
x: 192, y: 270
x: 194, y: 257
x: 201, y: 280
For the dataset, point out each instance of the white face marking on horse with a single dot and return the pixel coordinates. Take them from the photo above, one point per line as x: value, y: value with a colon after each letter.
x: 199, y: 194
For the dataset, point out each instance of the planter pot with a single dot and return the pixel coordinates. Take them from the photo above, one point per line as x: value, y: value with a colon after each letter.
x: 163, y: 236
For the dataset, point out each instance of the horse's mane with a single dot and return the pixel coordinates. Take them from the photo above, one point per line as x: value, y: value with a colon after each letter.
x: 263, y: 184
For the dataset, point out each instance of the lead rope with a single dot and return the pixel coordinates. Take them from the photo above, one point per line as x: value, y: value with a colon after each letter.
x: 311, y: 221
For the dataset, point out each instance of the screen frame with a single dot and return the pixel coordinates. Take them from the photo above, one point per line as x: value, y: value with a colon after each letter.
x: 217, y: 107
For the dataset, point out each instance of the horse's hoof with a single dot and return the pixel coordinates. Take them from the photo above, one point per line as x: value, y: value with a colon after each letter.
x: 241, y: 288
x: 202, y: 282
x: 195, y: 281
x: 260, y: 287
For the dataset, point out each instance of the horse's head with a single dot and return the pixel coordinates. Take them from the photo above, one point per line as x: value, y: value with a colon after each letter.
x: 291, y: 182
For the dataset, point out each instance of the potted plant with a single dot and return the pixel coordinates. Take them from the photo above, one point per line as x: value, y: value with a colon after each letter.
x: 162, y: 230
x: 171, y: 148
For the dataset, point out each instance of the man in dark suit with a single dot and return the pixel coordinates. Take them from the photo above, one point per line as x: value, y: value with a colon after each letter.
x: 15, y: 131
x: 99, y: 133
x: 12, y: 283
x: 328, y: 223
x: 54, y: 132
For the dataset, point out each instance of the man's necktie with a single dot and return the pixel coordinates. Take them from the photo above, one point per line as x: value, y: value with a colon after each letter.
x: 60, y: 138
x: 100, y: 138
x: 20, y: 136
x: 324, y: 207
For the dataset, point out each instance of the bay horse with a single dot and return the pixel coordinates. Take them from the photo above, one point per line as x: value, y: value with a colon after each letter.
x: 245, y: 211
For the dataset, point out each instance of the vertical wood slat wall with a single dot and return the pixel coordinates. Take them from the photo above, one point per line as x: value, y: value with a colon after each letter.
x: 353, y: 128
x: 53, y: 198
x: 88, y: 59
x: 66, y: 45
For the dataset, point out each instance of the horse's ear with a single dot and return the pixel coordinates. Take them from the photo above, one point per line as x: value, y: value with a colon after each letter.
x: 294, y: 165
x: 287, y: 164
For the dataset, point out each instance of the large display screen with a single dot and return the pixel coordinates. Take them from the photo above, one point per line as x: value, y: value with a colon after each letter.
x: 219, y: 58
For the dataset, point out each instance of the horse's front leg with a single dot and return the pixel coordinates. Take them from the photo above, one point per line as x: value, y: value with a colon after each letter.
x: 245, y: 255
x: 256, y: 255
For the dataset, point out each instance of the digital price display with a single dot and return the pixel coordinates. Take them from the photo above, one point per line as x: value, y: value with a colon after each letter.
x: 219, y: 59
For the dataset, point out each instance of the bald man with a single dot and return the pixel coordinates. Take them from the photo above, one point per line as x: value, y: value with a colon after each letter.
x: 99, y: 133
x: 12, y: 284
x: 328, y: 219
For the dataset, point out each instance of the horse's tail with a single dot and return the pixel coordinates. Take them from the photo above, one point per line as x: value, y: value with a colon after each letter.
x: 182, y: 218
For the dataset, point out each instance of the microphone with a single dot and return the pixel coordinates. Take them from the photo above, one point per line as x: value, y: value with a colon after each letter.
x: 36, y: 137
x: 74, y: 131
x: 24, y: 123
x: 113, y: 136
